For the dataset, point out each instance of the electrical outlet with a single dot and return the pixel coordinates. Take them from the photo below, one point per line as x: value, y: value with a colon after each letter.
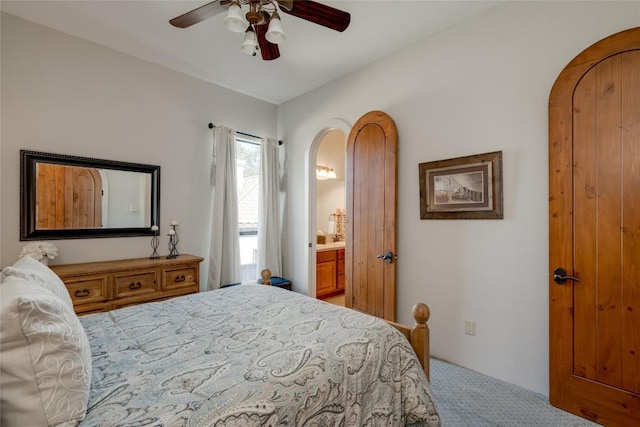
x: 469, y: 327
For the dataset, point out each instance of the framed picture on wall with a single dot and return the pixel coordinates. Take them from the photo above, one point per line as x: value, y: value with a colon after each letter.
x: 462, y: 188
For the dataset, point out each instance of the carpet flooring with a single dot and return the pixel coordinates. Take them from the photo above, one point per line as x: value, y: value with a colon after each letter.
x: 466, y: 398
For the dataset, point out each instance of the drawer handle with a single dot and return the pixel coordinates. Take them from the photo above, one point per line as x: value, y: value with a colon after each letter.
x: 136, y: 285
x: 79, y: 293
x: 180, y: 278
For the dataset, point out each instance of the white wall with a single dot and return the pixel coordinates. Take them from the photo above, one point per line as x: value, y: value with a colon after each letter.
x: 481, y: 86
x: 127, y: 197
x: 64, y: 95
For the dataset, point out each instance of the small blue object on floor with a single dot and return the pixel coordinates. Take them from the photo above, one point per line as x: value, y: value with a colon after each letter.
x: 466, y: 398
x: 280, y: 282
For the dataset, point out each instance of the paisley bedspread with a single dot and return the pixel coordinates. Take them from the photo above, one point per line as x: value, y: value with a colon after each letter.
x: 252, y: 355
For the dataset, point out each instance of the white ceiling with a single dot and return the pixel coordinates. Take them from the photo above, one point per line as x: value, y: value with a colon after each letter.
x: 312, y: 55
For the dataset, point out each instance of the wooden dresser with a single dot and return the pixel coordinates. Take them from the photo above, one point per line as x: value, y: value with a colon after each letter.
x: 104, y: 286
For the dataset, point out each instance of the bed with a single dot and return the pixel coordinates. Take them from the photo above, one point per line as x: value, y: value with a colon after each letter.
x: 248, y: 355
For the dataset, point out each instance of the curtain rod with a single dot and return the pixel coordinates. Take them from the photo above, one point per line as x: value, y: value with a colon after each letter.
x: 211, y: 126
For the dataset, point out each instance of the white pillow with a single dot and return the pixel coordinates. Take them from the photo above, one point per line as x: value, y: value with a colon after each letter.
x: 45, y: 359
x: 35, y: 272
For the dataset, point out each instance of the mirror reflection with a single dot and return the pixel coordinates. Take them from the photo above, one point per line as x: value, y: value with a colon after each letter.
x: 75, y: 197
x: 81, y: 197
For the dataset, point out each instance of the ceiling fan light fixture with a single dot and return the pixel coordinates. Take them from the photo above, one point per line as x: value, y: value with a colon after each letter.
x: 275, y: 33
x: 235, y: 21
x: 264, y: 18
x: 250, y: 43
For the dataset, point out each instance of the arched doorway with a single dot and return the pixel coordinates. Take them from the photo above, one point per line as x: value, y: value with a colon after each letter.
x: 330, y: 126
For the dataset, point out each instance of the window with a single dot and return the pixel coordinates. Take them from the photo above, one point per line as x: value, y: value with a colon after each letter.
x: 248, y: 179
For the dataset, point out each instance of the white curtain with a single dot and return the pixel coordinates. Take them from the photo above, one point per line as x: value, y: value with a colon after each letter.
x: 269, y: 252
x: 224, y: 256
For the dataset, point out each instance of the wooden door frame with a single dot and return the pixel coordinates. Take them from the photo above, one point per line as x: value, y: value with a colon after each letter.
x: 311, y: 158
x: 561, y: 221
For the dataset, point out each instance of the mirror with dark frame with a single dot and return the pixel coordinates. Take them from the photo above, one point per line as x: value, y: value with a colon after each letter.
x: 70, y: 197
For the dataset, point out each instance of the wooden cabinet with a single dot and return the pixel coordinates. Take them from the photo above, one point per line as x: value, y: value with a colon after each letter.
x: 325, y: 273
x: 329, y: 272
x: 103, y: 286
x: 340, y: 270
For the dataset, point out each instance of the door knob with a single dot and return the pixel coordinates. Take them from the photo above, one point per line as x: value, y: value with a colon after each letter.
x: 388, y: 257
x: 560, y: 276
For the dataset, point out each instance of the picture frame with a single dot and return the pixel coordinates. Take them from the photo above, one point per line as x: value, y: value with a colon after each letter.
x: 467, y: 187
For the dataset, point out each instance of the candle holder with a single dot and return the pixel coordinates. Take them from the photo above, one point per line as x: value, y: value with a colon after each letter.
x: 155, y: 242
x: 173, y: 242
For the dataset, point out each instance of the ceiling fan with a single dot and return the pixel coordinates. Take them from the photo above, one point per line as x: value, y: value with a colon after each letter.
x: 261, y: 24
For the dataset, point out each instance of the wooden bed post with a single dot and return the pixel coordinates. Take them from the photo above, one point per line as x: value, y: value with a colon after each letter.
x: 420, y: 335
x: 266, y: 276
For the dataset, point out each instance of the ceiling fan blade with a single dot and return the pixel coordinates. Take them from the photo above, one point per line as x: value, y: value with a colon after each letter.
x: 198, y: 15
x: 269, y: 50
x: 317, y: 13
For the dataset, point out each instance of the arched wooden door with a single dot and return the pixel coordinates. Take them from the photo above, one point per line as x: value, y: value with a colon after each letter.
x: 594, y: 225
x: 371, y: 216
x: 68, y: 197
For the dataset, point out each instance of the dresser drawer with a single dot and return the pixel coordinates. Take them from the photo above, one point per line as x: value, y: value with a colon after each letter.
x: 88, y: 289
x: 141, y: 282
x: 179, y: 277
x: 107, y: 285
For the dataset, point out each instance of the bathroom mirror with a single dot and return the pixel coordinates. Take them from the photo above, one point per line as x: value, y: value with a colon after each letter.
x: 70, y: 197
